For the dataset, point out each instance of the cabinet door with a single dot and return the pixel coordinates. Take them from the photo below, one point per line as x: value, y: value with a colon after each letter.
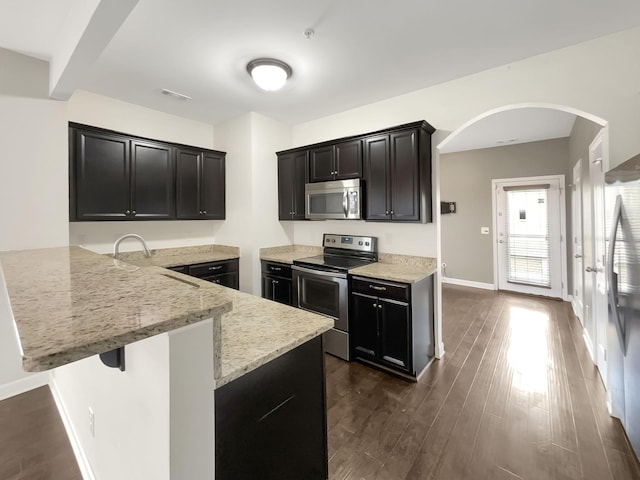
x: 212, y: 184
x: 348, y: 160
x: 405, y: 179
x: 101, y: 176
x: 376, y: 156
x: 267, y: 287
x: 394, y: 333
x: 321, y: 164
x: 152, y: 181
x: 187, y: 184
x: 292, y: 175
x: 282, y: 290
x: 364, y: 325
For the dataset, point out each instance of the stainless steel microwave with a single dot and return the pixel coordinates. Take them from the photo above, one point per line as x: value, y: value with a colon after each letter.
x: 338, y: 200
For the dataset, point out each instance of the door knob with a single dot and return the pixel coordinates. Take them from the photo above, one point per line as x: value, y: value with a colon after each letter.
x: 591, y: 269
x: 577, y: 255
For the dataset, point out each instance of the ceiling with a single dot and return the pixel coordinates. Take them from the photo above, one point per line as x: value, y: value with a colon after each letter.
x: 510, y: 127
x: 362, y: 51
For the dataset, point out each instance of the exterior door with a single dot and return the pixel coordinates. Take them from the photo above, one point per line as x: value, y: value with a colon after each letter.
x: 596, y: 269
x: 576, y: 227
x: 530, y: 241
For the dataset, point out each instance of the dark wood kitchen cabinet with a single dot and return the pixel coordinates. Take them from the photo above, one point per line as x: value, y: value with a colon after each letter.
x: 200, y: 183
x: 271, y: 423
x: 339, y: 161
x: 222, y: 272
x: 292, y: 176
x: 392, y: 324
x: 277, y: 282
x: 113, y: 177
x: 397, y: 173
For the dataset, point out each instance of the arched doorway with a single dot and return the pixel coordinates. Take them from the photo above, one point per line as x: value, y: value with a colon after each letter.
x: 595, y: 326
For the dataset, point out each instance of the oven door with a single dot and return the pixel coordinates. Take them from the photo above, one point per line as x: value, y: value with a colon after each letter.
x: 322, y: 292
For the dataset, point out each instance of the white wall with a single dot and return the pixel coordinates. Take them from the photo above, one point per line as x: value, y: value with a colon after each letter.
x: 104, y: 112
x: 155, y: 420
x: 33, y: 184
x: 252, y: 191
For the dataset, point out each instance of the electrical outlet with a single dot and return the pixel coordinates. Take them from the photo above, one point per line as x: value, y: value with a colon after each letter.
x: 92, y: 424
x: 484, y: 230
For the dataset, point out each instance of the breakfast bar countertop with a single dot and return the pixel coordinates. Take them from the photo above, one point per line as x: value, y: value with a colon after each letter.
x: 69, y: 303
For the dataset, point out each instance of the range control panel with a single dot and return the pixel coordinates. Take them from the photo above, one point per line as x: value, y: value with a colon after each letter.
x: 350, y: 242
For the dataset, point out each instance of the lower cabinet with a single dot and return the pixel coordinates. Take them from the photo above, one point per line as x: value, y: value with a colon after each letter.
x: 276, y: 282
x: 271, y: 423
x: 392, y: 323
x: 223, y: 272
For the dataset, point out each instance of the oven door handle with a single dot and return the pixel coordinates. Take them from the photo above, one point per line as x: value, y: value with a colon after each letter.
x: 321, y: 273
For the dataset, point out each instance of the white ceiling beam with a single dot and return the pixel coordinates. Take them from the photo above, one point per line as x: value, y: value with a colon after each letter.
x: 87, y: 31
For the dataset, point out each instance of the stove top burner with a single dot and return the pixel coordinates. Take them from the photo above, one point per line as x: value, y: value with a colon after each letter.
x: 342, y: 253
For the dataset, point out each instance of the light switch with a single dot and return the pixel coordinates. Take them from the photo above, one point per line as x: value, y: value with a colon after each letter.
x: 484, y: 230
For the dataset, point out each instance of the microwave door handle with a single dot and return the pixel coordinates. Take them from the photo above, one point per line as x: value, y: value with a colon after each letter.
x: 345, y: 203
x: 613, y: 277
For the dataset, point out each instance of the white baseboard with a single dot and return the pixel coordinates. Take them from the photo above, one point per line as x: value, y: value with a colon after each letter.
x: 81, y: 458
x: 468, y: 283
x: 589, y: 344
x: 31, y: 381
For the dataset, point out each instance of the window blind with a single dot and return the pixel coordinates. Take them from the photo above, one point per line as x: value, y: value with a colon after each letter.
x: 527, y: 231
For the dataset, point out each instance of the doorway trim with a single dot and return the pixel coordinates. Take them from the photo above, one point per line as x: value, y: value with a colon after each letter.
x: 439, y: 344
x: 563, y: 223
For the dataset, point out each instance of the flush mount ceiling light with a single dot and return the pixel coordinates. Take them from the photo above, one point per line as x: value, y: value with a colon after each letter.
x: 268, y: 73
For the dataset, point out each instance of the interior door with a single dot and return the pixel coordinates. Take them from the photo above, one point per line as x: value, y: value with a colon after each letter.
x: 529, y: 226
x: 576, y: 227
x: 597, y: 269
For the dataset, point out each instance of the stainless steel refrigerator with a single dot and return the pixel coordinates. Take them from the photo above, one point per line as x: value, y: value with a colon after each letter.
x: 622, y: 203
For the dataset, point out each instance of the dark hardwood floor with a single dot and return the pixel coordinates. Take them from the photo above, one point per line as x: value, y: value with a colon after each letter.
x: 33, y: 441
x: 515, y: 397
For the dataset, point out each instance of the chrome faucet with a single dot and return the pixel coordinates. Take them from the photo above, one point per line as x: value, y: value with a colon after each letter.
x: 116, y: 246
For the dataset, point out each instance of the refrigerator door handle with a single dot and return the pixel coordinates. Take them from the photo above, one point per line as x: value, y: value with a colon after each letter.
x: 613, y: 277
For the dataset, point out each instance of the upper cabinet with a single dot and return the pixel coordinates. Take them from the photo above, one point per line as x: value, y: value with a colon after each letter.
x: 200, y: 184
x: 292, y: 175
x: 339, y: 161
x: 114, y: 176
x: 394, y: 164
x: 397, y: 174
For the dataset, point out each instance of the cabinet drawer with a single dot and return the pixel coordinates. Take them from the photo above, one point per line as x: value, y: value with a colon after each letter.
x: 226, y: 279
x: 278, y: 269
x: 180, y: 269
x: 213, y: 268
x: 396, y: 291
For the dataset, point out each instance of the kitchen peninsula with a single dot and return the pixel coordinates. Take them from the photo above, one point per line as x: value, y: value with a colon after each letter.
x: 187, y: 341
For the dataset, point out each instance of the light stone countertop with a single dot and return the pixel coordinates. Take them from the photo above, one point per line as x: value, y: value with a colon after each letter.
x: 289, y: 253
x: 393, y: 267
x: 398, y: 268
x: 69, y: 303
x: 173, y: 257
x: 256, y: 330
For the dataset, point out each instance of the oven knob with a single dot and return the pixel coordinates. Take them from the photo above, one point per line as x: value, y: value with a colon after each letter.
x: 360, y: 242
x: 333, y: 240
x: 366, y: 243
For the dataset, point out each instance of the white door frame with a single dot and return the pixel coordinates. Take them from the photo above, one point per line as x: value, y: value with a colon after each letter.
x: 599, y: 301
x: 577, y: 262
x: 563, y: 223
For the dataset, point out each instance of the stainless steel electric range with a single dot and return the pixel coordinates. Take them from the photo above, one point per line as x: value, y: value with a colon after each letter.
x: 320, y: 284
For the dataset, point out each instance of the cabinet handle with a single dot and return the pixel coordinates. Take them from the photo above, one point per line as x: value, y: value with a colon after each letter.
x: 379, y: 306
x: 375, y: 305
x: 218, y: 267
x: 275, y: 282
x: 386, y: 212
x: 382, y: 289
x: 276, y: 269
x: 392, y: 213
x: 133, y: 212
x: 128, y: 212
x: 216, y: 281
x: 204, y: 212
